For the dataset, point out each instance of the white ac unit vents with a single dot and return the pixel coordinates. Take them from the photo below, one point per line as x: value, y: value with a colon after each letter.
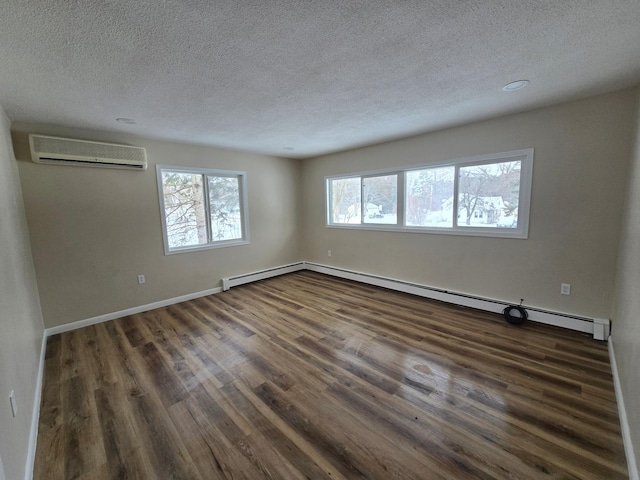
x: 67, y: 151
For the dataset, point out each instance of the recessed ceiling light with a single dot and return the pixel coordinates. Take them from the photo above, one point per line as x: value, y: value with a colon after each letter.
x: 288, y: 148
x: 126, y: 121
x: 517, y: 85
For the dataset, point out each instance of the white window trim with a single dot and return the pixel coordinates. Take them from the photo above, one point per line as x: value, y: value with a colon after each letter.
x: 244, y: 203
x: 524, y: 202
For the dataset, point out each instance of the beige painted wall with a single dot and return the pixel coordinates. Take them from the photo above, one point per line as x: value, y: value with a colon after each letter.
x: 94, y: 230
x: 626, y: 322
x: 21, y: 327
x: 582, y: 152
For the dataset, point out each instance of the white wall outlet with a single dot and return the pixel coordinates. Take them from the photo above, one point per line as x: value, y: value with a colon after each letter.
x: 328, y: 253
x: 565, y: 289
x: 14, y: 405
x: 141, y: 279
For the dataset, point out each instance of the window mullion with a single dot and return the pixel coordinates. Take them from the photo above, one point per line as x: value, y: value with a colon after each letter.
x: 241, y: 194
x: 207, y: 208
x: 456, y: 181
x: 362, y: 200
x: 401, y: 198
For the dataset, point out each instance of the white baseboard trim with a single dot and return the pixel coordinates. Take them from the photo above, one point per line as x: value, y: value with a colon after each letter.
x: 35, y: 413
x: 632, y: 466
x: 229, y: 282
x: 67, y: 327
x: 598, y: 327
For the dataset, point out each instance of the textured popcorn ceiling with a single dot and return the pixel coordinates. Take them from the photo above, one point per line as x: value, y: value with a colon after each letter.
x: 316, y: 76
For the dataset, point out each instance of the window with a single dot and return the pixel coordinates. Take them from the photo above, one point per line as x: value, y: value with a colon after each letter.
x: 202, y: 208
x: 429, y: 197
x: 486, y: 195
x: 380, y: 194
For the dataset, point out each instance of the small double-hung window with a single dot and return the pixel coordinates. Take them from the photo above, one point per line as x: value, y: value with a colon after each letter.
x: 487, y: 195
x: 202, y: 208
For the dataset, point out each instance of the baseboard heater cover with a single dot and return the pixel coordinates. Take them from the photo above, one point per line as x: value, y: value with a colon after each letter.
x: 598, y: 327
x: 229, y: 282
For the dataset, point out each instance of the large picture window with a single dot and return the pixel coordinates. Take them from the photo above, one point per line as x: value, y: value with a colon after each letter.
x: 486, y: 195
x: 202, y: 208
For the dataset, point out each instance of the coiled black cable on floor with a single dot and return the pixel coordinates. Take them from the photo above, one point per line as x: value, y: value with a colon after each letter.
x: 515, y: 319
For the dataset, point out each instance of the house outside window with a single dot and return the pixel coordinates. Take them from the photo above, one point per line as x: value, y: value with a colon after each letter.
x: 486, y: 195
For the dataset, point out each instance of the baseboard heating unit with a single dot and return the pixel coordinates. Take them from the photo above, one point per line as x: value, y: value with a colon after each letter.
x: 598, y: 327
x: 229, y: 282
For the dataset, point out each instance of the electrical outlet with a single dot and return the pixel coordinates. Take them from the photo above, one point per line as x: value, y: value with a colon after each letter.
x: 328, y: 253
x: 14, y: 405
x: 565, y: 289
x: 141, y: 279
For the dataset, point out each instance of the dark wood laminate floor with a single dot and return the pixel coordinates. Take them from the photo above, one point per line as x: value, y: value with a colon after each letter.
x: 309, y: 376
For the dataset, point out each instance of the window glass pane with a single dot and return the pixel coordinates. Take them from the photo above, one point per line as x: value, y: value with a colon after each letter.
x: 380, y: 199
x: 488, y: 195
x: 345, y: 200
x: 184, y: 209
x: 430, y: 197
x: 224, y: 208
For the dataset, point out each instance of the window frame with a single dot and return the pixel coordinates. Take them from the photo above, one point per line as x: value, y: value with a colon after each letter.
x: 205, y: 172
x: 525, y: 156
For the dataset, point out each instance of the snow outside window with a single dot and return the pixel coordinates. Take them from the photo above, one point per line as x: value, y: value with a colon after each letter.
x: 202, y: 208
x: 486, y: 195
x: 380, y: 193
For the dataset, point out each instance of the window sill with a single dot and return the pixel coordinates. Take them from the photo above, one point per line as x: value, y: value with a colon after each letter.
x: 468, y: 232
x: 209, y: 246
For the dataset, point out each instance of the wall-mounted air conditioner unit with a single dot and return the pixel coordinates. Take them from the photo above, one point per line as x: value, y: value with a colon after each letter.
x: 67, y: 151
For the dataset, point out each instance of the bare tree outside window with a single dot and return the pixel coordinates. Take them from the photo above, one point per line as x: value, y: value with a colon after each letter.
x: 488, y: 195
x: 429, y: 197
x: 184, y: 209
x: 224, y: 206
x: 345, y: 205
x: 380, y: 199
x: 201, y: 207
